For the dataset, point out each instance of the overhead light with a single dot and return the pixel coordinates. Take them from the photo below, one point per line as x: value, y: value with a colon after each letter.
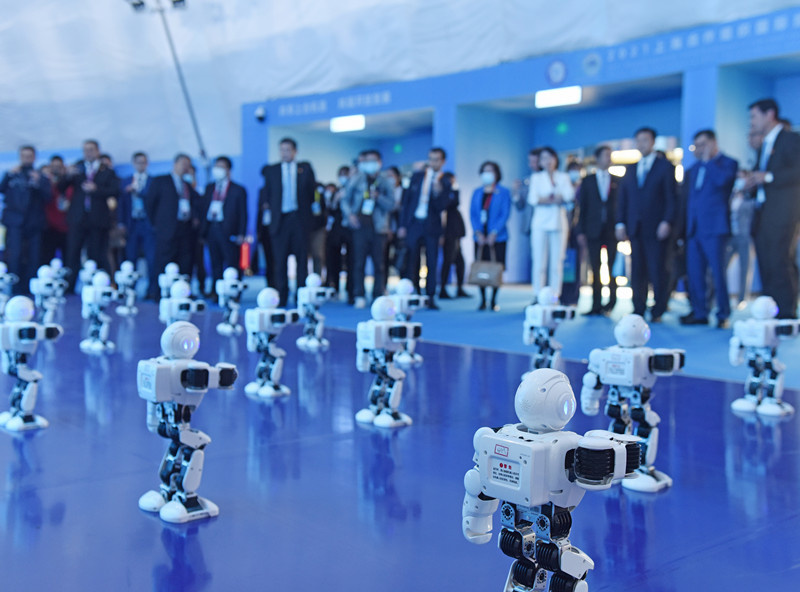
x: 348, y: 123
x: 558, y: 97
x: 625, y: 156
x: 617, y: 170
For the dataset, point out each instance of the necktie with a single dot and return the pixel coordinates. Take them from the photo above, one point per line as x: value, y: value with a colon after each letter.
x: 701, y: 175
x: 643, y: 169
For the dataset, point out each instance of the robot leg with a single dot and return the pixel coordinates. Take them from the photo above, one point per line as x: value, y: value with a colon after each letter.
x: 390, y: 417
x: 272, y: 387
x: 262, y: 372
x: 23, y: 417
x: 233, y: 317
x: 186, y: 505
x: 648, y: 479
x: 752, y: 397
x: 772, y: 404
x: 377, y: 400
x: 153, y: 501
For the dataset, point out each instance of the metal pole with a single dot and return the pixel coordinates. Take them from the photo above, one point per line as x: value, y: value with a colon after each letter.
x: 184, y: 88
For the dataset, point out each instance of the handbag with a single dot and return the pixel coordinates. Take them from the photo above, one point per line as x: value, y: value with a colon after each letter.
x: 486, y: 273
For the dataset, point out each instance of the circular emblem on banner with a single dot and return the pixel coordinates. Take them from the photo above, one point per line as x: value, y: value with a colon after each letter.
x: 556, y: 72
x: 592, y: 64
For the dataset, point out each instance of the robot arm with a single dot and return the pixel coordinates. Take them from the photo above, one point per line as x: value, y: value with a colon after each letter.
x: 665, y: 362
x: 362, y: 360
x: 221, y: 376
x: 477, y: 511
x: 787, y: 328
x: 153, y: 417
x: 603, y: 457
x: 736, y: 351
x: 591, y: 393
x: 51, y: 332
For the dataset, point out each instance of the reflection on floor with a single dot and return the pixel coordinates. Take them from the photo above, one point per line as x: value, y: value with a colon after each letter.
x: 310, y: 500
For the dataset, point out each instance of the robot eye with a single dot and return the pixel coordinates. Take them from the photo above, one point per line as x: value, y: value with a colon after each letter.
x: 188, y: 344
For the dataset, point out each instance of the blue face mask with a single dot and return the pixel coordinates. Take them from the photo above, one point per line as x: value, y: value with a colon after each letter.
x: 188, y: 178
x: 369, y: 167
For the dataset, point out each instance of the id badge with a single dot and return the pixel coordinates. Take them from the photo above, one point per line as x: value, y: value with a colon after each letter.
x: 62, y: 203
x: 484, y: 217
x: 138, y: 204
x: 266, y: 218
x: 184, y: 209
x: 316, y: 208
x: 367, y: 207
x: 215, y: 211
x: 329, y: 225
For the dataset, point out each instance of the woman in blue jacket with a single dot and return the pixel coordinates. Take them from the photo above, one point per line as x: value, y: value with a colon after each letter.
x: 489, y: 210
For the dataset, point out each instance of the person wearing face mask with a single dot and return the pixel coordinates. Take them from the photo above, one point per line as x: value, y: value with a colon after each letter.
x: 171, y: 206
x: 367, y: 204
x: 488, y: 213
x: 550, y: 190
x: 338, y: 236
x: 223, y: 222
x: 89, y: 217
x: 25, y: 191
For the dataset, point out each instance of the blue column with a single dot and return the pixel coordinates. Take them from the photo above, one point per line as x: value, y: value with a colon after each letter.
x: 444, y: 131
x: 698, y: 106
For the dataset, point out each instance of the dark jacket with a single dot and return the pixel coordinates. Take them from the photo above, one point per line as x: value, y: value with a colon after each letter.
x: 708, y: 211
x: 234, y: 210
x: 24, y: 200
x: 436, y: 204
x: 593, y: 210
x: 91, y: 208
x: 642, y: 209
x: 273, y: 194
x: 125, y: 208
x: 161, y: 204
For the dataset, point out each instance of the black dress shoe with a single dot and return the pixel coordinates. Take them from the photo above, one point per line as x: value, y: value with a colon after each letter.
x: 444, y: 295
x: 690, y: 319
x: 655, y: 320
x: 606, y: 308
x: 482, y: 306
x: 432, y: 305
x: 595, y: 312
x: 723, y: 324
x: 462, y: 294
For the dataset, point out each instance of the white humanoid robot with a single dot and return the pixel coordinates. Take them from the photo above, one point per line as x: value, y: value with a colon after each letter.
x: 86, y: 273
x: 309, y: 298
x: 264, y: 324
x: 170, y: 275
x: 630, y: 370
x: 96, y: 297
x: 19, y: 338
x: 60, y: 275
x: 229, y: 292
x: 6, y: 281
x: 406, y: 303
x: 126, y: 278
x: 173, y: 386
x: 541, y: 321
x: 179, y: 305
x: 537, y: 473
x: 377, y: 341
x: 45, y: 293
x: 757, y: 340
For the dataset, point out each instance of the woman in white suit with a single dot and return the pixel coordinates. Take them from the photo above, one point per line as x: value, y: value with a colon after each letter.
x: 549, y: 190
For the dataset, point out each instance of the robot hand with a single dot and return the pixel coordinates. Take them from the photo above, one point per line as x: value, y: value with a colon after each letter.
x: 362, y: 361
x: 736, y: 352
x: 591, y: 393
x: 227, y: 375
x: 477, y: 511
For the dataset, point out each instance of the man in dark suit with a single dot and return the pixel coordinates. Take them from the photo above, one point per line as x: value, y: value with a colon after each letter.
x: 224, y: 218
x: 708, y: 186
x: 89, y: 217
x: 428, y: 194
x: 646, y: 213
x: 25, y: 191
x: 597, y: 204
x: 171, y: 205
x: 133, y: 217
x: 777, y: 185
x: 289, y: 188
x: 454, y: 231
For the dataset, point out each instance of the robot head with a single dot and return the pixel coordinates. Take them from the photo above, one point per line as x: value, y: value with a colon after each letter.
x: 90, y: 265
x: 56, y: 264
x: 313, y: 281
x: 45, y: 272
x: 268, y: 298
x: 545, y: 401
x: 101, y: 280
x: 547, y: 296
x: 383, y: 309
x: 172, y: 269
x: 405, y: 287
x: 126, y: 267
x: 764, y: 308
x: 632, y: 331
x: 180, y: 340
x: 230, y: 273
x: 19, y: 309
x: 180, y: 289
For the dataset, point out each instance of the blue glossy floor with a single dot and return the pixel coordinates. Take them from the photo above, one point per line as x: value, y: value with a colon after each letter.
x: 309, y: 500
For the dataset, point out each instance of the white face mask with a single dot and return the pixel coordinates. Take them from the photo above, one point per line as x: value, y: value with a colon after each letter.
x: 188, y: 178
x: 218, y: 173
x: 369, y: 167
x: 487, y: 178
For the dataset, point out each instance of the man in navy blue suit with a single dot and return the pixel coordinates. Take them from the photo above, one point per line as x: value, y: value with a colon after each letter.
x: 646, y: 212
x: 428, y: 195
x: 224, y: 218
x: 708, y: 185
x: 132, y: 215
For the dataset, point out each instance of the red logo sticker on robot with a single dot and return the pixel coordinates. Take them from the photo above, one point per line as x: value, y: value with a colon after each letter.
x: 501, y: 450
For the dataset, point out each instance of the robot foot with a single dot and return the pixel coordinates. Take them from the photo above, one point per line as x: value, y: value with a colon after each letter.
x: 228, y: 330
x: 195, y: 508
x: 18, y: 423
x: 269, y: 391
x: 406, y: 360
x: 127, y: 311
x: 251, y: 388
x: 312, y: 344
x: 746, y: 404
x: 387, y: 419
x: 152, y: 501
x: 365, y: 416
x: 95, y: 346
x: 771, y: 407
x: 648, y: 481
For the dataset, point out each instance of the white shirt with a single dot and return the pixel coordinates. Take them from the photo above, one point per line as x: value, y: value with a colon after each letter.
x: 766, y: 152
x: 421, y: 213
x: 550, y: 216
x: 603, y: 181
x: 643, y: 167
x: 289, y: 183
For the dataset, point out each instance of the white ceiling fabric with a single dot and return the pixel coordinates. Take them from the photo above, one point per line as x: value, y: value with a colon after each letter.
x: 71, y: 69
